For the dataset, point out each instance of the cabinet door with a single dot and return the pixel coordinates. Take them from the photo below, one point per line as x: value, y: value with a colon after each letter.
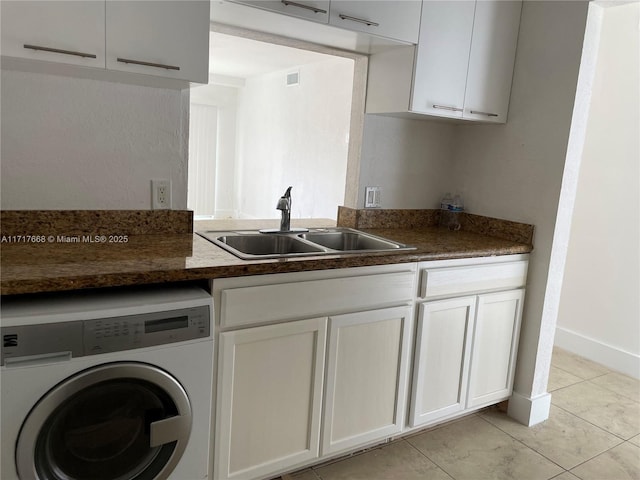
x: 441, y: 364
x: 64, y: 32
x: 493, y: 50
x: 315, y: 10
x: 269, y: 397
x: 162, y: 38
x: 442, y: 58
x: 495, y: 344
x: 366, y: 377
x: 386, y: 18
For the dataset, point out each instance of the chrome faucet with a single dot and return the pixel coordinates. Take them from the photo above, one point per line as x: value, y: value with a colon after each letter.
x: 284, y: 205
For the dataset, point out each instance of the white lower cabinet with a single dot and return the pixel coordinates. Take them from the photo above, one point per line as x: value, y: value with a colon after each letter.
x: 315, y: 364
x: 367, y: 361
x: 441, y: 368
x: 309, y: 364
x: 269, y: 398
x: 495, y: 343
x: 466, y: 346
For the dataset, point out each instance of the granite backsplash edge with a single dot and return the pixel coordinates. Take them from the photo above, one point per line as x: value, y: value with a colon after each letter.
x: 156, y: 222
x: 95, y: 222
x: 421, y: 218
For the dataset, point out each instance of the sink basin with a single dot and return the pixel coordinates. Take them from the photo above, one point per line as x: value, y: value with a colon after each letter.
x: 251, y: 244
x: 348, y: 240
x: 261, y: 245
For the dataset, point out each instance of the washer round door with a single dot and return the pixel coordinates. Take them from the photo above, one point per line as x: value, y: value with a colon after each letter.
x: 116, y: 421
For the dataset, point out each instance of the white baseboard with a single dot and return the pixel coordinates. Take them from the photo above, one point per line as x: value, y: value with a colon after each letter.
x: 599, y: 352
x: 529, y: 411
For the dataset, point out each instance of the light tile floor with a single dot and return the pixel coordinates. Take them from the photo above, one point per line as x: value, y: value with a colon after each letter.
x: 593, y: 433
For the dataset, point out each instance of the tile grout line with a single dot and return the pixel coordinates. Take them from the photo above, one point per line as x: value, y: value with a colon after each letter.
x: 622, y: 439
x: 589, y: 380
x: 430, y: 459
x: 606, y: 451
x: 527, y: 446
x: 566, y: 386
x: 612, y: 391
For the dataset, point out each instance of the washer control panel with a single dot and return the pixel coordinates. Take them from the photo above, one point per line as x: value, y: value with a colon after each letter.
x: 55, y: 329
x: 106, y: 335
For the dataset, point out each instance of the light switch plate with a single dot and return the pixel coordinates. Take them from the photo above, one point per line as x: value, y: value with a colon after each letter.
x: 372, y: 197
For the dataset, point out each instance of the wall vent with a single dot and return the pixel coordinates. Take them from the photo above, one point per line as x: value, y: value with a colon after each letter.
x: 293, y: 78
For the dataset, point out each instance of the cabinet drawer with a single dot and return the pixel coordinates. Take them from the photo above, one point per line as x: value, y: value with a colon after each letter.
x: 288, y: 301
x: 439, y: 282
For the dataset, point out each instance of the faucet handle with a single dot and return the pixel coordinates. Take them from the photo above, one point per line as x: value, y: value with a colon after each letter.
x: 284, y: 203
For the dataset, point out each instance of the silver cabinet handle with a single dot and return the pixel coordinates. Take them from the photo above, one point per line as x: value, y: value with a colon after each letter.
x: 445, y: 107
x: 147, y: 64
x: 359, y: 20
x: 306, y: 7
x: 58, y: 50
x: 488, y: 114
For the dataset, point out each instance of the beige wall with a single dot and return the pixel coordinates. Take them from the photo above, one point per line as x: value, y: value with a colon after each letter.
x: 78, y: 143
x: 514, y: 171
x: 599, y: 315
x: 409, y: 159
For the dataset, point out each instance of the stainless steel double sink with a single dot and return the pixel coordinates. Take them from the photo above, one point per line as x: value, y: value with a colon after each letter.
x: 251, y: 244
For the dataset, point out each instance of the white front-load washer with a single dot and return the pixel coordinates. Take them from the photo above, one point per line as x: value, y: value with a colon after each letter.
x: 113, y: 385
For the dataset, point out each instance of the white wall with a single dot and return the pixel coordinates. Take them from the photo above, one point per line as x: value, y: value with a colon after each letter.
x: 514, y: 171
x: 294, y: 136
x: 203, y: 146
x: 599, y: 313
x: 225, y: 98
x: 73, y: 143
x: 409, y: 159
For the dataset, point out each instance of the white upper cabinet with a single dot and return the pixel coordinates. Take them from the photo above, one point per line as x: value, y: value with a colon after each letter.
x: 64, y: 32
x: 166, y: 38
x: 442, y: 58
x: 461, y: 67
x: 315, y: 10
x: 386, y: 18
x: 491, y: 60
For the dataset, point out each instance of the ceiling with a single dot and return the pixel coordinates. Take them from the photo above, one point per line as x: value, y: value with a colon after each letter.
x: 239, y: 57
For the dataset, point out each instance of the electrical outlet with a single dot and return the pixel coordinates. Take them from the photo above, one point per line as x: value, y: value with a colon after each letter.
x: 372, y: 197
x: 160, y: 194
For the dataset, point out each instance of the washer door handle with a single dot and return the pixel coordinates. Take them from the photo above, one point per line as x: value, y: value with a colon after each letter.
x: 169, y: 430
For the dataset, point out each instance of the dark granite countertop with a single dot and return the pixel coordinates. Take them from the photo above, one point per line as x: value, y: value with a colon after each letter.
x: 154, y: 257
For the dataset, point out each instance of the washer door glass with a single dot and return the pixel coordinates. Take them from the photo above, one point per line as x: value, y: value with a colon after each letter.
x: 110, y: 429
